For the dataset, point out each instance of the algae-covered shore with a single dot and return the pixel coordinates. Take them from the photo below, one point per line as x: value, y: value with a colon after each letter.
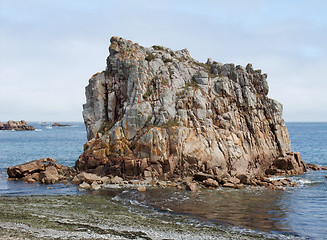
x: 98, y: 217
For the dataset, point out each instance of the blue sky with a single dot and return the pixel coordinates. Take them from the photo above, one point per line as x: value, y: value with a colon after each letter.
x: 49, y: 49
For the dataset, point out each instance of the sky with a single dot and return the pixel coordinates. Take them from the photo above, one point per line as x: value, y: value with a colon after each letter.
x: 49, y: 49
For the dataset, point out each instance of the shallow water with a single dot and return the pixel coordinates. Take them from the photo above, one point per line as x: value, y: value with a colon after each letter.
x: 98, y: 217
x: 296, y: 212
x: 64, y: 144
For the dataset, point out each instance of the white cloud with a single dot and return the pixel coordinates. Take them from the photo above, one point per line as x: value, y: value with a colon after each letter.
x: 49, y: 49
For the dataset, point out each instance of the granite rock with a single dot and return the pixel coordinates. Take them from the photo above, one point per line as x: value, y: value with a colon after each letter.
x: 16, y: 126
x: 44, y: 170
x: 155, y: 113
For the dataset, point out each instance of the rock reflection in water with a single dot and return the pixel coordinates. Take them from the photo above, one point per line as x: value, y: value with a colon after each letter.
x: 253, y: 209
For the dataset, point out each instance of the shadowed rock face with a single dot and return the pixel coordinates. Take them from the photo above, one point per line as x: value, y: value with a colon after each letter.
x: 158, y: 113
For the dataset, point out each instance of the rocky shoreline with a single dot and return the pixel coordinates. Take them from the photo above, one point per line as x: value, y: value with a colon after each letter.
x: 48, y: 171
x: 16, y: 126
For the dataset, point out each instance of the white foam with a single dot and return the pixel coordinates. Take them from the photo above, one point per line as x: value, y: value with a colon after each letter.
x: 276, y: 178
x: 304, y: 181
x: 112, y: 186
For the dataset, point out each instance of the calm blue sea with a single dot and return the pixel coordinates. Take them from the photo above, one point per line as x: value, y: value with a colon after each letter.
x: 64, y: 144
x: 299, y: 212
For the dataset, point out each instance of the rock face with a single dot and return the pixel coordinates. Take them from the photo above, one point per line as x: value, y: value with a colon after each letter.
x: 158, y: 113
x: 16, y: 125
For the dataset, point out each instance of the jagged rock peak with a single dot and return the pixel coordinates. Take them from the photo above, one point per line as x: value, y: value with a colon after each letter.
x: 158, y: 113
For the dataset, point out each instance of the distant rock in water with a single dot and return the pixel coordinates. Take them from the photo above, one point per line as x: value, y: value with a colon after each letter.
x: 155, y: 113
x: 60, y: 125
x: 16, y: 125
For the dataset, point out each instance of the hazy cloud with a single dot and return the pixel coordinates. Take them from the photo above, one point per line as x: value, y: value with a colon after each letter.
x: 49, y: 49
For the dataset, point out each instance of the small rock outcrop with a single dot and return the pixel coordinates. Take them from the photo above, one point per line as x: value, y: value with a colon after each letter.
x: 290, y: 164
x: 60, y: 125
x: 155, y: 113
x: 316, y: 167
x: 16, y: 126
x: 45, y: 170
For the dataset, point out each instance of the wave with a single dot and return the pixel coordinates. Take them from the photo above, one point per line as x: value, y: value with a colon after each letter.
x: 303, y: 182
x: 129, y: 201
x: 38, y: 130
x: 277, y: 178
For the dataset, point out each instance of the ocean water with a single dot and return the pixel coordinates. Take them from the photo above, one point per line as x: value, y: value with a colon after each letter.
x: 64, y: 144
x: 299, y: 212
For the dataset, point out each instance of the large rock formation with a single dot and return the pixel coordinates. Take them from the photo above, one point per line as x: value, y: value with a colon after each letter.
x: 16, y: 125
x: 158, y: 113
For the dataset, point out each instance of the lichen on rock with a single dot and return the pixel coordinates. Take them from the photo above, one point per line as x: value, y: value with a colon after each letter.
x: 159, y: 113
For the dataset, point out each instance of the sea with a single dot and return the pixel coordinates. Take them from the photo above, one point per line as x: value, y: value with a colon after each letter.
x: 296, y: 213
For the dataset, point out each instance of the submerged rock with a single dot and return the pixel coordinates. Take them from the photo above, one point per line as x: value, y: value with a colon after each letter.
x: 155, y: 113
x: 16, y: 126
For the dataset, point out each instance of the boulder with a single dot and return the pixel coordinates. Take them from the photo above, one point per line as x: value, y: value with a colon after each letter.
x: 233, y: 180
x: 95, y: 186
x: 88, y: 178
x: 84, y: 185
x: 202, y: 176
x: 141, y: 189
x: 24, y: 169
x: 76, y: 180
x: 44, y: 170
x: 116, y: 180
x: 50, y: 175
x: 314, y: 167
x: 229, y: 185
x: 105, y: 180
x: 323, y: 168
x: 210, y: 183
x: 244, y: 179
x: 290, y: 164
x: 191, y: 186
